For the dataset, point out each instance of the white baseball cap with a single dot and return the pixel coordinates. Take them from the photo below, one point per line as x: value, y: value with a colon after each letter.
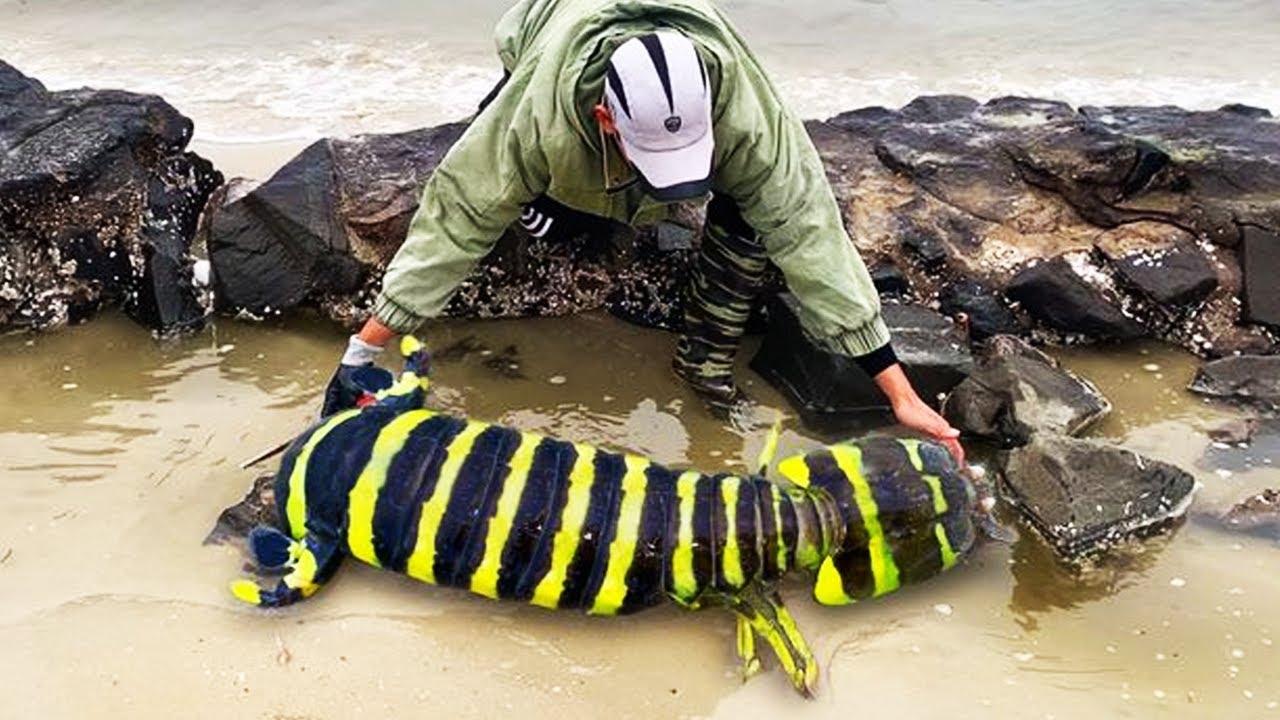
x: 656, y: 87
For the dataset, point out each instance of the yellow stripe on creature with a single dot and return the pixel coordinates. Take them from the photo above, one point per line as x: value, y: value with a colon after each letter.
x: 363, y: 497
x: 883, y: 569
x: 565, y: 543
x: 613, y: 591
x: 296, y: 507
x: 684, y: 581
x: 731, y: 559
x: 422, y: 562
x: 484, y: 581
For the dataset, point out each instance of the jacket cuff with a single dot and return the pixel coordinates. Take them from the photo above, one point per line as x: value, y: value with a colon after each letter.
x: 877, y: 361
x: 396, y: 316
x: 859, y: 341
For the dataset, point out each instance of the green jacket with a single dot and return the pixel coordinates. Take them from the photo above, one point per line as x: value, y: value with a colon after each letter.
x: 538, y: 137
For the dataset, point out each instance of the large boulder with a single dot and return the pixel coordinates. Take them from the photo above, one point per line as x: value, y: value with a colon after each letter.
x: 1253, y: 379
x: 1084, y: 496
x: 98, y: 204
x: 1015, y: 391
x: 831, y: 392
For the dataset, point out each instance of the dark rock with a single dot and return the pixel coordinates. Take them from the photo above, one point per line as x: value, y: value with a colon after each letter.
x: 1258, y: 515
x: 1054, y: 292
x: 1247, y: 378
x: 166, y: 298
x: 1260, y: 250
x: 1176, y: 277
x: 889, y: 280
x: 938, y: 108
x: 925, y: 247
x: 257, y: 508
x: 1015, y: 392
x: 831, y: 392
x: 304, y: 233
x: 1013, y: 346
x: 98, y: 204
x: 983, y: 307
x: 1085, y: 495
x: 1253, y: 113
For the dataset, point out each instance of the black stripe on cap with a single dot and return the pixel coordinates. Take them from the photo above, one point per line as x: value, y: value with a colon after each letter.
x: 653, y: 44
x: 615, y: 83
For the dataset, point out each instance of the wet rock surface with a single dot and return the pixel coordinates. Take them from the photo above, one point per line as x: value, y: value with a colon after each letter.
x: 1258, y: 515
x: 1015, y: 391
x: 1116, y: 222
x: 831, y: 392
x: 1084, y: 496
x: 98, y: 205
x: 1253, y: 379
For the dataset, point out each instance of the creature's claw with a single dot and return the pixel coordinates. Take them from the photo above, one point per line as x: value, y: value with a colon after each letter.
x: 310, y: 563
x: 764, y: 615
x: 271, y: 549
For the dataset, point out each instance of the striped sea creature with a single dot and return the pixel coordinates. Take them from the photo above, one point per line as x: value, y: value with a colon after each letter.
x: 514, y: 515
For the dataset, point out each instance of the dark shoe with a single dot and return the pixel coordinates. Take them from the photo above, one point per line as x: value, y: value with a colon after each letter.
x: 719, y: 393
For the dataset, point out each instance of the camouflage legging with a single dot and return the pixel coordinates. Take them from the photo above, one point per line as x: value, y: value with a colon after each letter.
x: 726, y: 279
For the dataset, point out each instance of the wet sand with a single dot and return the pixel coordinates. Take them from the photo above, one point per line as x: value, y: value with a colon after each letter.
x: 112, y: 608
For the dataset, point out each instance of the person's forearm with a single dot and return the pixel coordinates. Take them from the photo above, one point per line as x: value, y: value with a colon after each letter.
x: 375, y: 333
x: 893, y: 382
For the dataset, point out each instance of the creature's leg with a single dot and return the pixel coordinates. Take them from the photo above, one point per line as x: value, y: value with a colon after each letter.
x: 770, y: 448
x: 726, y: 278
x: 747, y: 652
x: 764, y: 614
x: 310, y: 563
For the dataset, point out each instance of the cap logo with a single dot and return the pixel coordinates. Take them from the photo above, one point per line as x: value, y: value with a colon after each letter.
x: 673, y: 124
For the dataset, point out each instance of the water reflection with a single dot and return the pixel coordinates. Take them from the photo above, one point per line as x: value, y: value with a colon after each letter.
x: 1043, y: 583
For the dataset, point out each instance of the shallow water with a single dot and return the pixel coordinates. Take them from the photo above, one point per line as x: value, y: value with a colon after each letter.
x: 119, y: 453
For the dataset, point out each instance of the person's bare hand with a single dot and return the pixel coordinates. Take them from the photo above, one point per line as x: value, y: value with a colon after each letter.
x: 913, y: 413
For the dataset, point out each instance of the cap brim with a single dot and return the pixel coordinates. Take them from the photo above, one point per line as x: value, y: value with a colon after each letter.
x: 674, y: 175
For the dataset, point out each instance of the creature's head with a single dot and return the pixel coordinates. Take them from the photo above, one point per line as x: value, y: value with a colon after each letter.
x: 908, y: 512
